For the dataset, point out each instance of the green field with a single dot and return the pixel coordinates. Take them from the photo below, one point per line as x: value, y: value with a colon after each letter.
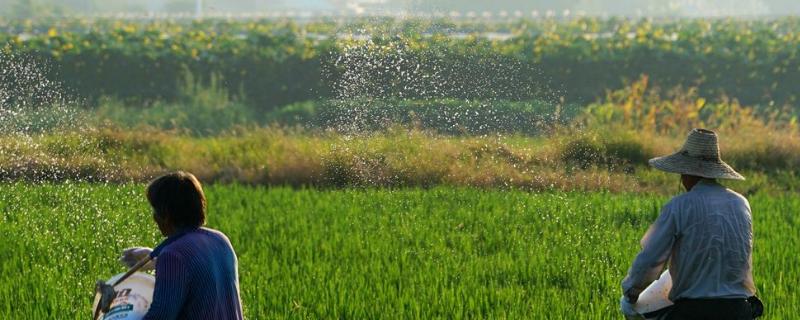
x: 370, y: 254
x: 272, y: 63
x: 371, y: 168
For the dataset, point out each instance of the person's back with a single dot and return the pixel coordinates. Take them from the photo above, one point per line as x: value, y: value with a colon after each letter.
x: 705, y: 234
x: 712, y: 252
x: 196, y: 278
x: 196, y: 267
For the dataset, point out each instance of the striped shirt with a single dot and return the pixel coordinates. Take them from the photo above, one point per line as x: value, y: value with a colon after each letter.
x: 706, y: 234
x: 196, y: 277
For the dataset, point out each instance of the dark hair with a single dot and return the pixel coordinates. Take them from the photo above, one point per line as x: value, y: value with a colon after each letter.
x: 180, y: 196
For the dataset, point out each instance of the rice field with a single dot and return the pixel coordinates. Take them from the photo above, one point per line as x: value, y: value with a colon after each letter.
x: 368, y: 253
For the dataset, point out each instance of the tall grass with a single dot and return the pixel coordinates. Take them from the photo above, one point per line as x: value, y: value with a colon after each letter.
x: 604, y: 147
x: 365, y: 254
x: 765, y: 140
x: 201, y: 108
x: 398, y: 157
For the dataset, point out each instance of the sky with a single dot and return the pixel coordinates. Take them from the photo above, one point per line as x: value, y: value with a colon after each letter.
x: 595, y: 7
x: 511, y: 7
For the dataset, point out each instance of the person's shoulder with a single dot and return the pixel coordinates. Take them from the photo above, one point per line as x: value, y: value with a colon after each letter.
x: 172, y: 252
x: 737, y: 196
x: 684, y: 203
x: 212, y: 232
x: 679, y: 200
x: 190, y: 244
x: 186, y: 242
x: 216, y: 234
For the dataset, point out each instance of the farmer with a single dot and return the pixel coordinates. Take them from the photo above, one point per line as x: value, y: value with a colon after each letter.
x: 706, y: 234
x: 196, y: 268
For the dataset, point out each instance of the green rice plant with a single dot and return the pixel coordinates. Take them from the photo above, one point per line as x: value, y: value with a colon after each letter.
x: 452, y: 253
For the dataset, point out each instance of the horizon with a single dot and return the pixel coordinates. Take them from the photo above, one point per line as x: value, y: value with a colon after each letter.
x: 411, y: 8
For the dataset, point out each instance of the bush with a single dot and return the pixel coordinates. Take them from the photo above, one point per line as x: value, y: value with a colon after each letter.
x: 626, y: 153
x: 583, y: 153
x: 612, y: 152
x: 445, y: 116
x: 278, y: 63
x: 201, y: 110
x: 299, y: 113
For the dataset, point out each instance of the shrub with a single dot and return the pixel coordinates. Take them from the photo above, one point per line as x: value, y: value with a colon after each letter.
x: 278, y: 63
x: 583, y: 153
x: 444, y: 116
x: 203, y: 109
x: 626, y: 153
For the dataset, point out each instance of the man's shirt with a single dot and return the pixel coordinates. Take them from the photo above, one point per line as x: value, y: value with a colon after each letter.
x: 196, y: 277
x: 707, y: 236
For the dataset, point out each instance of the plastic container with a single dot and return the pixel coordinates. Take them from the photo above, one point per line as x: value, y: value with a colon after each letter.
x: 133, y: 298
x: 656, y: 296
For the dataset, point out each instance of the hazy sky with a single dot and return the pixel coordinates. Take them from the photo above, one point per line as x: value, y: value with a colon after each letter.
x: 519, y: 7
x: 678, y: 7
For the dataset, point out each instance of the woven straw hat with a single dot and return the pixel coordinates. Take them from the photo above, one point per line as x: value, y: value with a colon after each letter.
x: 698, y: 157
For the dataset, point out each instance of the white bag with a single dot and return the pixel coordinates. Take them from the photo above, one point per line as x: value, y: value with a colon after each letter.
x: 656, y: 296
x: 133, y: 298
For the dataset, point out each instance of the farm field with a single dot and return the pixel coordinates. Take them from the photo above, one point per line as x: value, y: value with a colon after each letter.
x: 389, y: 167
x: 371, y: 253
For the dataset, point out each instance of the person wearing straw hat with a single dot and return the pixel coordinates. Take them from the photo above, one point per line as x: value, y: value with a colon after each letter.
x: 706, y: 234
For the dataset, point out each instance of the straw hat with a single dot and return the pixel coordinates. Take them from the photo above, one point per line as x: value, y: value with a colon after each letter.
x: 698, y: 157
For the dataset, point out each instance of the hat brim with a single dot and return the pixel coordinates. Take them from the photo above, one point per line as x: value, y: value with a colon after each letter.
x: 679, y: 163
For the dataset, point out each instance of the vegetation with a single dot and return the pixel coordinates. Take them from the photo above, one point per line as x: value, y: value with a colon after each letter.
x: 361, y: 175
x: 269, y: 64
x: 205, y: 111
x: 404, y: 143
x: 395, y: 158
x: 440, y: 253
